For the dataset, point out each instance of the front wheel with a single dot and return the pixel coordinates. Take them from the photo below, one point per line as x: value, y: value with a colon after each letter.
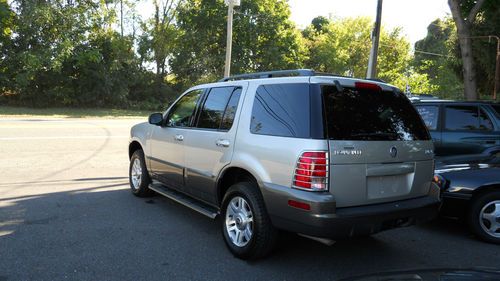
x: 484, y: 217
x: 138, y: 175
x: 246, y: 227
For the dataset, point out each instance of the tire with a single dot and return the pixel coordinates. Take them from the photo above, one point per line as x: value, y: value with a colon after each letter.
x: 247, y: 202
x: 138, y: 175
x: 484, y: 217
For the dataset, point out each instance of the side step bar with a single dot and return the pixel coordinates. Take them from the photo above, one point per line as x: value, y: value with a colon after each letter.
x: 185, y: 200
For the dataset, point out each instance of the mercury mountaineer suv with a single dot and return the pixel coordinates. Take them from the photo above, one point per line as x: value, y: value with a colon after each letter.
x: 316, y: 154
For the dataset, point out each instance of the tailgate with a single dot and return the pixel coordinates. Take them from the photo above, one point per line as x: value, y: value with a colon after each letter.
x: 363, y: 173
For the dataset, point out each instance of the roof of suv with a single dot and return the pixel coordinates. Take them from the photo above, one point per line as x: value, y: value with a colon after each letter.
x: 300, y: 74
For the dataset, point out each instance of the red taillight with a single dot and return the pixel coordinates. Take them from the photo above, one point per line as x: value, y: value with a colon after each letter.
x: 367, y: 86
x: 311, y: 171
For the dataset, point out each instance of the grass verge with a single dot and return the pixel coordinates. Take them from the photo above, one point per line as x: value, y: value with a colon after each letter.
x: 12, y: 111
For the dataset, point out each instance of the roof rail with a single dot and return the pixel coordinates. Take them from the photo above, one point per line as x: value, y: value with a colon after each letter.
x: 270, y: 74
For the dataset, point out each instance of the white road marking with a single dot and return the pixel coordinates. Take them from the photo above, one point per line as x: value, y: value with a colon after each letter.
x: 61, y: 137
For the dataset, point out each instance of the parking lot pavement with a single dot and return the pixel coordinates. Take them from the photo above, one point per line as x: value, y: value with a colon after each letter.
x: 66, y: 214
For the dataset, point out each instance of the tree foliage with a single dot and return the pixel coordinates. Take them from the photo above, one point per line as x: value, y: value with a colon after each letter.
x: 446, y: 71
x: 264, y: 38
x: 342, y: 46
x: 437, y: 56
x: 74, y: 53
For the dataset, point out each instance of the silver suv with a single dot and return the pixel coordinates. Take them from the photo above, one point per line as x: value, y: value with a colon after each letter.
x: 320, y: 155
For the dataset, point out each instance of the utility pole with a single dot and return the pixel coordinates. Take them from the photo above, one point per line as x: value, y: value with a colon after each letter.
x: 121, y: 17
x: 229, y: 45
x: 372, y: 62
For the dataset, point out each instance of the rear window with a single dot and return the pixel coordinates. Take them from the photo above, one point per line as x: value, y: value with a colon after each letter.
x: 368, y: 114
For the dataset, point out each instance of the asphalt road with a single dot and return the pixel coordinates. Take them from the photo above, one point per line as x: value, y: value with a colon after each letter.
x: 66, y: 214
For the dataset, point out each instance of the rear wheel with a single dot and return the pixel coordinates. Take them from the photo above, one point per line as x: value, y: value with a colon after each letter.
x: 138, y: 175
x: 246, y: 226
x: 484, y: 217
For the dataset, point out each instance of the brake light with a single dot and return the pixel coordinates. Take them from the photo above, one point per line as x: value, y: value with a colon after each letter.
x: 311, y: 171
x: 367, y: 86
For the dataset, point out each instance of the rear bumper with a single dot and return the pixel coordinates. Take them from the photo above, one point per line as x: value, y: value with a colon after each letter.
x: 324, y: 220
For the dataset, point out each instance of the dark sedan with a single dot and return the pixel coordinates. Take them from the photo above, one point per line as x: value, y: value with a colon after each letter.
x: 471, y: 191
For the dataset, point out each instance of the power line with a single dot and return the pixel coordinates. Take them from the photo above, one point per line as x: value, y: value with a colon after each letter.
x: 433, y: 54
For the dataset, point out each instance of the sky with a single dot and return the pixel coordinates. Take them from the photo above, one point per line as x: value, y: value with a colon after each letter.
x: 412, y: 15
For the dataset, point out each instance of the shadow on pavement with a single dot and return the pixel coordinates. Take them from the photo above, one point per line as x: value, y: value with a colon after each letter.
x: 99, y: 233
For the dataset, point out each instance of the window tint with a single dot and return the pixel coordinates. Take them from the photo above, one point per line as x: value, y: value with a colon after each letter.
x: 462, y: 117
x: 484, y: 121
x: 356, y: 114
x: 213, y: 109
x: 229, y: 114
x: 429, y: 114
x: 182, y: 112
x: 281, y: 110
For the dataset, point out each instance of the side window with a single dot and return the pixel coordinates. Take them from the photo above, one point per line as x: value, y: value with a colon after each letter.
x: 430, y: 115
x: 213, y: 109
x: 485, y: 122
x: 282, y: 110
x: 229, y: 114
x: 460, y: 117
x: 183, y: 111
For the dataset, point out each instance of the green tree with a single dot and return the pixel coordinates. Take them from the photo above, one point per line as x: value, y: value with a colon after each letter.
x: 160, y: 36
x: 6, y: 27
x: 264, y: 38
x: 436, y: 56
x: 488, y: 23
x: 464, y: 14
x: 343, y: 47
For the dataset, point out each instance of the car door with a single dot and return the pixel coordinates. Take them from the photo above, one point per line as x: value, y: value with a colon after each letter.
x: 209, y: 146
x: 466, y: 130
x: 431, y: 116
x: 167, y: 141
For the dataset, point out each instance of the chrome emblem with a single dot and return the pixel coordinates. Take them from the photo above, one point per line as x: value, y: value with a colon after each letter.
x: 393, y: 152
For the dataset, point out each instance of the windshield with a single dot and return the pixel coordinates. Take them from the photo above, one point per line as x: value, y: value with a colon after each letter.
x: 367, y: 114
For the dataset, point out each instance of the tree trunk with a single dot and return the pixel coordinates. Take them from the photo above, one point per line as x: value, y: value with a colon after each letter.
x: 465, y: 41
x: 469, y: 70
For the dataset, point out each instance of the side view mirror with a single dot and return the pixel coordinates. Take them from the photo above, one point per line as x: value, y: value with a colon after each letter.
x: 156, y: 119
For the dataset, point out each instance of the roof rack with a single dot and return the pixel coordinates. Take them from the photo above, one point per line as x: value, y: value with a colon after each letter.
x: 376, y: 80
x: 279, y: 73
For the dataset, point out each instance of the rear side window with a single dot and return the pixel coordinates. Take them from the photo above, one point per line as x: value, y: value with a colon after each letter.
x: 213, y: 108
x: 368, y: 114
x: 462, y: 118
x: 230, y: 113
x: 219, y: 108
x: 282, y: 110
x: 430, y: 115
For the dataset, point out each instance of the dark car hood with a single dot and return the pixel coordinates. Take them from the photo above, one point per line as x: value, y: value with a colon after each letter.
x: 433, y: 275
